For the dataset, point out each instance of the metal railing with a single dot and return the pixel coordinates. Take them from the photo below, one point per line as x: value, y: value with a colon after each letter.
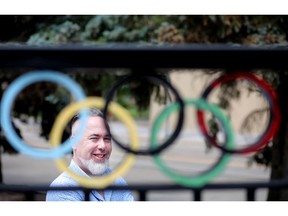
x: 141, y: 58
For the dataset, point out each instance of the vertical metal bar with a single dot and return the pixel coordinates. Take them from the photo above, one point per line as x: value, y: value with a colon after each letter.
x: 87, y: 192
x: 250, y: 194
x: 29, y: 196
x: 142, y: 195
x: 197, y: 194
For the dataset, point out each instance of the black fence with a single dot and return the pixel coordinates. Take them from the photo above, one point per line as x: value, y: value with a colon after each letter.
x: 37, y: 193
x: 141, y: 58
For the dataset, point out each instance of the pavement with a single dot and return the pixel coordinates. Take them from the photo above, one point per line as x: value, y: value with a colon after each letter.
x: 187, y: 156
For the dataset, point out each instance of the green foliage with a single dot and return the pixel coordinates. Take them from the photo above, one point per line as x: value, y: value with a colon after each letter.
x: 98, y: 29
x: 168, y: 33
x: 242, y: 29
x: 263, y: 157
x: 55, y: 34
x: 114, y: 29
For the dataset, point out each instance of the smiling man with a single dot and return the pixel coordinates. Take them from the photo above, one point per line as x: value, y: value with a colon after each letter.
x: 90, y: 158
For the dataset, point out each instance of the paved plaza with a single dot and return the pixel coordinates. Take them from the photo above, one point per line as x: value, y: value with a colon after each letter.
x: 188, y: 155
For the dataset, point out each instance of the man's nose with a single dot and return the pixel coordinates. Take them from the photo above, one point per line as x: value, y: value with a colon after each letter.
x: 101, y: 144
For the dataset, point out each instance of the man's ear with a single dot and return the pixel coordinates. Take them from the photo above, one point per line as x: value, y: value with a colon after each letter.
x: 74, y: 146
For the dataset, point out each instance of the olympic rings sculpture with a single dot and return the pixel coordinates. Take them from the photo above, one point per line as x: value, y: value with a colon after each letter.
x: 271, y: 97
x: 159, y: 148
x: 6, y: 104
x: 67, y: 113
x: 204, y: 177
x: 82, y: 103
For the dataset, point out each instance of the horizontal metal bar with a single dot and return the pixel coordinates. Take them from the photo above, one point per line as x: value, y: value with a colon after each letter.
x: 144, y: 56
x: 158, y: 187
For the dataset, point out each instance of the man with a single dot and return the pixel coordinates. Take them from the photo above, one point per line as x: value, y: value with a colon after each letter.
x: 90, y: 158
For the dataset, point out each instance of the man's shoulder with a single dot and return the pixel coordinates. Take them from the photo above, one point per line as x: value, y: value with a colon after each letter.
x: 119, y: 180
x: 64, y: 180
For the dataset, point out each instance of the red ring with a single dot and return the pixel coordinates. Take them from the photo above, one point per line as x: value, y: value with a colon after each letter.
x: 270, y: 95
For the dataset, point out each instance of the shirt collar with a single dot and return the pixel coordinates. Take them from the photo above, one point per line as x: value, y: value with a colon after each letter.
x: 76, y: 169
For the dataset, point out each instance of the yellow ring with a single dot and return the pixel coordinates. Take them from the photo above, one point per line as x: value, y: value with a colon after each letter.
x: 121, y: 113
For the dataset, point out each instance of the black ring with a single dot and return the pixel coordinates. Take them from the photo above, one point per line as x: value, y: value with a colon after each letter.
x: 180, y: 122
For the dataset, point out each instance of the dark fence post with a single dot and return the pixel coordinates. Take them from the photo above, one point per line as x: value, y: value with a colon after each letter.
x: 251, y: 194
x: 197, y: 194
x: 142, y: 195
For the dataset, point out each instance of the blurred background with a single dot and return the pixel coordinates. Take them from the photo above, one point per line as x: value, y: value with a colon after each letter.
x: 36, y: 107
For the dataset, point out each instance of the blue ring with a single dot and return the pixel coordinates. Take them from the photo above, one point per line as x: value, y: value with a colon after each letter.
x: 6, y: 105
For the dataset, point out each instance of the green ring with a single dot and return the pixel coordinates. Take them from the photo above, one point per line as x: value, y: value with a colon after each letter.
x: 202, y: 179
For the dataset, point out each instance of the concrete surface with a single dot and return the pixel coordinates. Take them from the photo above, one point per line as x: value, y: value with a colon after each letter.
x: 188, y: 155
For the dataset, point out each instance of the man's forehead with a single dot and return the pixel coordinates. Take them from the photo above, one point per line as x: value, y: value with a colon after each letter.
x: 93, y: 123
x: 92, y: 119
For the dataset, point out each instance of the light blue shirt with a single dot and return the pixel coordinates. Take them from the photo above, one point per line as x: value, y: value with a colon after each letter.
x: 77, y: 195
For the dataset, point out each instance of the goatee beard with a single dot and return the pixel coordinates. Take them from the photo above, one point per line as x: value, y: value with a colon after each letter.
x: 95, y: 168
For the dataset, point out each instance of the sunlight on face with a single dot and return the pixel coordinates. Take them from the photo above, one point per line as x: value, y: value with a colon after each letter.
x: 92, y: 152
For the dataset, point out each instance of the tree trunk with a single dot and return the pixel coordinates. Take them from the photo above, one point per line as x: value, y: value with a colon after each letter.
x: 279, y: 166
